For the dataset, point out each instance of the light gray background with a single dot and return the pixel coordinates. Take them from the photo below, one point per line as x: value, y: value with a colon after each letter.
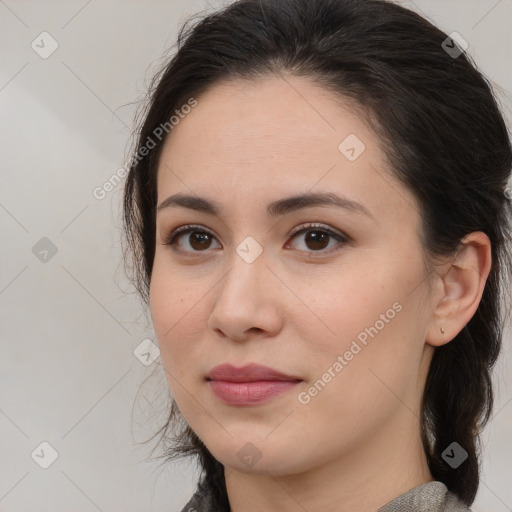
x: 70, y: 325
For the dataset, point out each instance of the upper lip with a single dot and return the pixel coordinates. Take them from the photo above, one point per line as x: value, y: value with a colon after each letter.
x: 248, y: 373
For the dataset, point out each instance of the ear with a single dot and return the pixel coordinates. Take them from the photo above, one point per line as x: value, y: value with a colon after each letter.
x: 461, y: 286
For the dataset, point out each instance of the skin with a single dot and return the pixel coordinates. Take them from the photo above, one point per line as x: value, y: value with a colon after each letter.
x: 298, y: 306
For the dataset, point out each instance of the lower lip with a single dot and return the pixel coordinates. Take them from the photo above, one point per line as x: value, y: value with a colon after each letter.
x: 249, y: 393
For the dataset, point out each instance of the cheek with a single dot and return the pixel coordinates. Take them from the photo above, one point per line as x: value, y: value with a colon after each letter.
x: 175, y: 312
x: 368, y: 336
x: 358, y: 385
x: 335, y: 310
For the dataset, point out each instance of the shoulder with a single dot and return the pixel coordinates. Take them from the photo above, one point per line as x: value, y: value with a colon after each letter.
x: 453, y: 503
x: 201, y: 501
x: 429, y: 497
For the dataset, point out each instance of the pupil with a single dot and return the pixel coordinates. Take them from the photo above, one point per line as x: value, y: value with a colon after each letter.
x: 201, y: 237
x: 316, y: 237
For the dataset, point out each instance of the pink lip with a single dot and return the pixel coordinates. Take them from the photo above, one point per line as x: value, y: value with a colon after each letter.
x: 248, y: 385
x: 248, y: 373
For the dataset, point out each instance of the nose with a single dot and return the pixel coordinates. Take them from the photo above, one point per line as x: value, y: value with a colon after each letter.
x: 247, y: 301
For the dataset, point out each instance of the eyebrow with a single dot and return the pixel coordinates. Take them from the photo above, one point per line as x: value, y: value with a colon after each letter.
x: 275, y: 209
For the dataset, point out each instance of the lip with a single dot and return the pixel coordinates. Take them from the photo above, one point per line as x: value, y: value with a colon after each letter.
x: 249, y: 373
x: 249, y: 385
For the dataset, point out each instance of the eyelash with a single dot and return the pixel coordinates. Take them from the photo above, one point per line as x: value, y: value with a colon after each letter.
x: 182, y: 230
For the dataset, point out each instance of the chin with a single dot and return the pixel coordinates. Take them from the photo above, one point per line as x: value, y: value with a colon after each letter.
x: 262, y: 459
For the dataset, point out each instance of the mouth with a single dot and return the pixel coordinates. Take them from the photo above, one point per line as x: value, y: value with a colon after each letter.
x: 249, y: 373
x: 250, y: 393
x: 251, y: 384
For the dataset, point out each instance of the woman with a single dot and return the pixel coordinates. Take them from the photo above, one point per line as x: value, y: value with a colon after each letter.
x: 318, y: 218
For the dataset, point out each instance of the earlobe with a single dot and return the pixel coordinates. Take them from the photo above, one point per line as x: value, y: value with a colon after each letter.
x: 462, y: 286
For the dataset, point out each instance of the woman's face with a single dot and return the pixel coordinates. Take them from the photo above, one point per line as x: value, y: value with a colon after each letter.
x: 340, y: 306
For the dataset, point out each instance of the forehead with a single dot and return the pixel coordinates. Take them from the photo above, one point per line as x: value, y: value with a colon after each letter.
x: 276, y: 136
x: 272, y: 116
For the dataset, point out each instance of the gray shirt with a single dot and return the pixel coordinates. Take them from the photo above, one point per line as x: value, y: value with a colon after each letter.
x: 429, y: 497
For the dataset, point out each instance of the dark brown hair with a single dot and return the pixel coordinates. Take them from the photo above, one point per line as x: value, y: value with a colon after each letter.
x: 444, y: 136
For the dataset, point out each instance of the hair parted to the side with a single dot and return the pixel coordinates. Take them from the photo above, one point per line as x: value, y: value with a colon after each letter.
x: 443, y: 133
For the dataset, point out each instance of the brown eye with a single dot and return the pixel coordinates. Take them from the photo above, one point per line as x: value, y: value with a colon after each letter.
x: 198, y: 239
x: 317, y: 238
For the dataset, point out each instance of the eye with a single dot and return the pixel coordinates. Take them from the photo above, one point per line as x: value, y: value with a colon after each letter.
x: 318, y: 236
x: 200, y: 240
